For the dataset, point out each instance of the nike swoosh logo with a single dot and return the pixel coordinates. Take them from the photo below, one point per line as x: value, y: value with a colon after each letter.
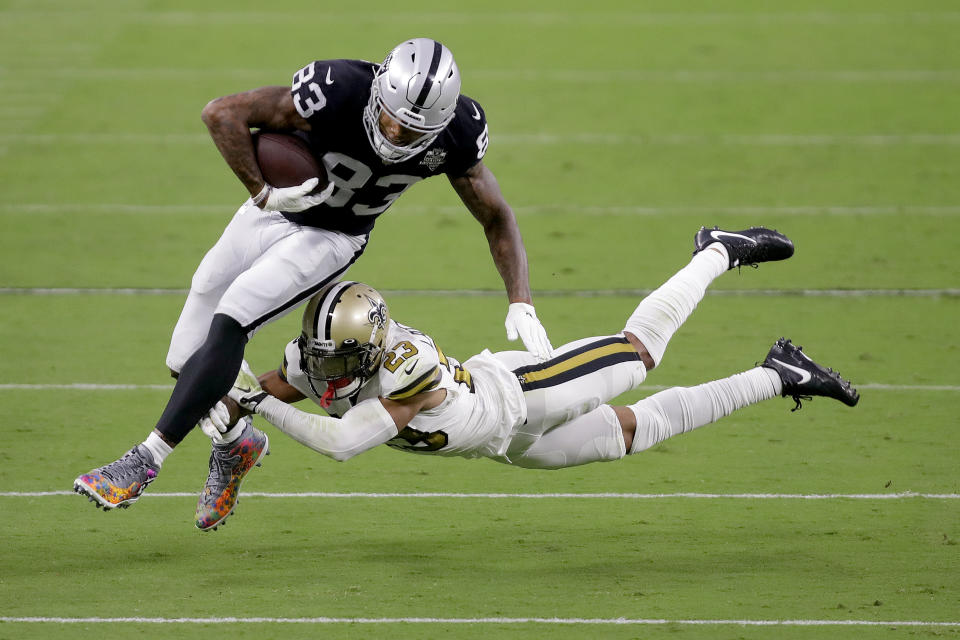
x: 716, y: 234
x: 476, y: 113
x: 804, y: 374
x: 413, y: 365
x: 329, y: 80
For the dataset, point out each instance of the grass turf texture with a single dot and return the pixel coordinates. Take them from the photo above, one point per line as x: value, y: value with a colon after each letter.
x: 616, y: 132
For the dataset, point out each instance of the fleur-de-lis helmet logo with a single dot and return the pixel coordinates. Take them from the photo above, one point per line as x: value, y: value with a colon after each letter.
x: 378, y: 312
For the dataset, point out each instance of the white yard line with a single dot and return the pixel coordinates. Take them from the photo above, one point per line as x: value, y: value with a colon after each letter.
x: 226, y: 209
x: 538, y: 293
x: 85, y: 386
x: 93, y: 386
x: 753, y: 210
x: 542, y: 139
x: 551, y: 75
x: 727, y: 139
x: 77, y: 291
x: 534, y: 18
x: 482, y: 621
x: 114, y: 207
x: 720, y: 76
x: 904, y: 495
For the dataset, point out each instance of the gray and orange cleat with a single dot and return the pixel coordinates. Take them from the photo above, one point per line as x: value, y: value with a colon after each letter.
x: 229, y: 463
x: 748, y: 247
x: 803, y: 378
x: 120, y: 483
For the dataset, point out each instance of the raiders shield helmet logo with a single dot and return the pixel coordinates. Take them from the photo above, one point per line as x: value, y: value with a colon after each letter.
x: 434, y: 158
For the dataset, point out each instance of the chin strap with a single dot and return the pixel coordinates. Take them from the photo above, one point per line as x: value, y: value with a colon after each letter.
x: 329, y: 395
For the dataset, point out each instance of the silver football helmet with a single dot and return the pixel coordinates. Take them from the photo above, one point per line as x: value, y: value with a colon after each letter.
x: 417, y: 85
x: 344, y: 334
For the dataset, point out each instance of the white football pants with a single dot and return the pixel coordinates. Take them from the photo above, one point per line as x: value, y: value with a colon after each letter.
x: 261, y: 268
x: 568, y: 423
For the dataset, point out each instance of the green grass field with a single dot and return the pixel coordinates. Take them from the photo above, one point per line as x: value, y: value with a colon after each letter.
x: 617, y: 129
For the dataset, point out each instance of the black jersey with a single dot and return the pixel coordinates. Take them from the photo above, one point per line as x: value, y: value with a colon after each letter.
x: 331, y: 96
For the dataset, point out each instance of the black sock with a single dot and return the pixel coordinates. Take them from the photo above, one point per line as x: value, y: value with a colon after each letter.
x: 205, y: 378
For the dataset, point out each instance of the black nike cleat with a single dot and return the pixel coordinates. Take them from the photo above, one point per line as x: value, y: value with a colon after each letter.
x: 747, y: 247
x: 803, y: 378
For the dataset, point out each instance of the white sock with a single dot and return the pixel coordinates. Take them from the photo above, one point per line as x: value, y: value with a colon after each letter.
x: 681, y: 409
x: 160, y: 449
x: 236, y: 431
x: 660, y: 314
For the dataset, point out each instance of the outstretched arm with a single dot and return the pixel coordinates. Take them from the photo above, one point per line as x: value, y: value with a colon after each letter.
x: 363, y: 427
x: 224, y: 416
x: 480, y: 192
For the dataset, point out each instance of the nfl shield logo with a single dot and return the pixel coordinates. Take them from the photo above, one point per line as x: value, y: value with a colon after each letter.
x: 434, y: 158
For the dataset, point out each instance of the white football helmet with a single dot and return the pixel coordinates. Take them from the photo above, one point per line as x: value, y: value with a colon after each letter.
x: 418, y: 85
x: 344, y: 332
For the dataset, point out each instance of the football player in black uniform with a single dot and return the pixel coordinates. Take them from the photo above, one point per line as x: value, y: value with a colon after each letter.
x: 377, y: 129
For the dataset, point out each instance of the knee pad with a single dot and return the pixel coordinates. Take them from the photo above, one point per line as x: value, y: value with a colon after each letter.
x: 593, y: 437
x: 653, y: 424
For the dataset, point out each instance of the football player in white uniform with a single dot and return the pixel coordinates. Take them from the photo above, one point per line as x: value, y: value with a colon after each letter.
x: 377, y: 129
x: 385, y: 383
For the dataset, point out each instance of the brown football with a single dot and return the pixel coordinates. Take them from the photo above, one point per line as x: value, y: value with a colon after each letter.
x: 285, y: 160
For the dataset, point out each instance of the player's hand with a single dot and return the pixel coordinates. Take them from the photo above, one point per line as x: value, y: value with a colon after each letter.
x: 216, y: 422
x: 294, y: 199
x: 218, y: 427
x: 246, y: 391
x: 522, y: 322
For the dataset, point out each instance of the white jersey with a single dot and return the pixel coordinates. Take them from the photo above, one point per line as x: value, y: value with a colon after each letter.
x: 484, y: 404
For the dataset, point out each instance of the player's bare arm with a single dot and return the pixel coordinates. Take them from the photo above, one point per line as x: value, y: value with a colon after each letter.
x: 230, y: 118
x: 481, y: 194
x: 275, y: 385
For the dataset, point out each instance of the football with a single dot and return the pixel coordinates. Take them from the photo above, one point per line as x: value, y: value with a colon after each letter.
x: 286, y: 161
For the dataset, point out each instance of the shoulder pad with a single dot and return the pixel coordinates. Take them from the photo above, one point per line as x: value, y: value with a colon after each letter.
x: 291, y: 360
x: 416, y: 375
x: 321, y: 82
x: 469, y: 130
x: 290, y: 370
x: 474, y: 110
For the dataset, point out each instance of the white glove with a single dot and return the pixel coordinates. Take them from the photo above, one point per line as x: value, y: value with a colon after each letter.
x: 292, y: 199
x: 246, y: 390
x: 522, y: 322
x: 216, y: 422
x: 216, y: 425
